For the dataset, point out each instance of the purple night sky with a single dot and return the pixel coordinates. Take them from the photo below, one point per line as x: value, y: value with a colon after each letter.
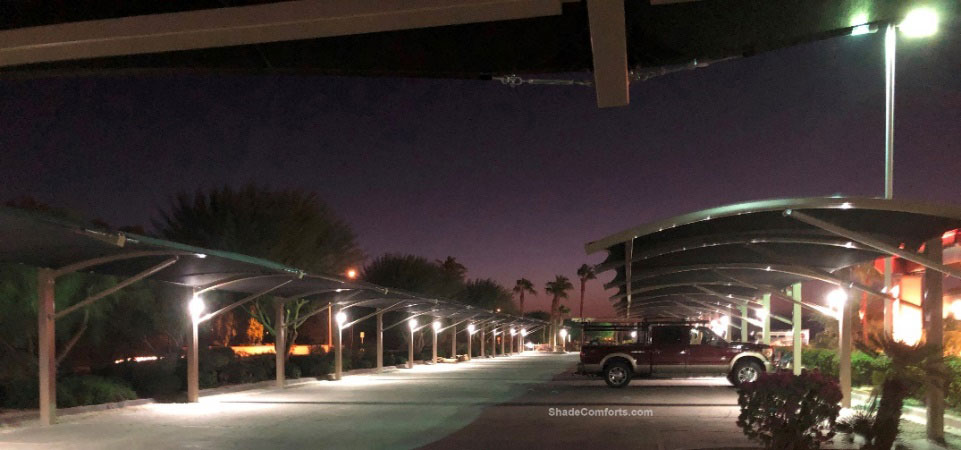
x: 512, y: 182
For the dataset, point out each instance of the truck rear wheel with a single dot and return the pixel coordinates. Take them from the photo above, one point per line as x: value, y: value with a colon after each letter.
x: 618, y: 374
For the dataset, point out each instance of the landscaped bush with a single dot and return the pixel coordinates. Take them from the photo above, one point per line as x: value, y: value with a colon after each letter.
x: 953, y: 391
x: 72, y: 391
x: 91, y: 390
x: 786, y: 411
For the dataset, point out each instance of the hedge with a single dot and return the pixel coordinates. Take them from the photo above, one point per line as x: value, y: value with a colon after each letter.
x: 867, y: 370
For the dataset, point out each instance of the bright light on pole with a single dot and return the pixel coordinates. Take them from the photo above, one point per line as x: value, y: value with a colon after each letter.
x: 513, y: 331
x: 836, y: 300
x: 471, y: 328
x: 563, y: 333
x: 921, y: 22
x: 761, y: 313
x: 352, y: 274
x: 196, y: 307
x: 436, y: 325
x: 634, y: 334
x: 341, y: 318
x: 412, y: 323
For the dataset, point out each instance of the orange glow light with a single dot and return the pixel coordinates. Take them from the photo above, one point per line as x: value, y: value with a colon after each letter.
x: 351, y: 273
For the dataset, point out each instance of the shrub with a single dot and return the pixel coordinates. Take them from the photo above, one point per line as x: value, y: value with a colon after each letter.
x: 91, y: 390
x: 784, y: 411
x: 953, y: 391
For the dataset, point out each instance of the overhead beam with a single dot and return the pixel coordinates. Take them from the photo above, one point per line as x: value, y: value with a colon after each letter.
x: 146, y: 273
x: 246, y: 299
x: 242, y: 25
x: 609, y: 47
x: 874, y: 243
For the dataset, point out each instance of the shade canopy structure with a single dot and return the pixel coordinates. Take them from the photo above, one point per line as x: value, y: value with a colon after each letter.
x: 732, y: 255
x: 58, y: 247
x: 618, y: 40
x: 66, y: 247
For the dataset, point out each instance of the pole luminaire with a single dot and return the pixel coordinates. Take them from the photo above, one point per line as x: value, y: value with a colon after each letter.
x: 921, y: 22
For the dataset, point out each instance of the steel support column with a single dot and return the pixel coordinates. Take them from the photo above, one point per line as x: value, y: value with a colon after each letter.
x: 744, y: 329
x: 483, y: 338
x: 380, y: 340
x: 280, y: 341
x: 932, y: 310
x: 796, y: 328
x: 46, y: 341
x: 410, y: 350
x: 193, y: 363
x: 453, y: 342
x: 766, y: 321
x: 338, y: 350
x: 469, y: 336
x: 845, y: 337
x: 433, y: 346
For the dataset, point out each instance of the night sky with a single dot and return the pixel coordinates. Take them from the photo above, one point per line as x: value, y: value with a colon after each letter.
x: 512, y: 182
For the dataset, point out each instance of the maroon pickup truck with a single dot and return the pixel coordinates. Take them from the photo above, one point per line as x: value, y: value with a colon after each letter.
x: 674, y: 350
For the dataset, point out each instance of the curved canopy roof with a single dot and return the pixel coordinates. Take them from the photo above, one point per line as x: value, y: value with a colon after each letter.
x: 739, y: 251
x: 474, y: 39
x: 66, y: 247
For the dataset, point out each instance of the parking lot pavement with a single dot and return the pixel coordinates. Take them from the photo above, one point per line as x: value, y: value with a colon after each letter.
x: 399, y: 409
x: 576, y: 411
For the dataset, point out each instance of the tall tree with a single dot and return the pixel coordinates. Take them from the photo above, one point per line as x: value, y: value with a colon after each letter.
x: 558, y: 290
x: 486, y: 294
x: 585, y: 273
x: 521, y: 287
x: 292, y: 227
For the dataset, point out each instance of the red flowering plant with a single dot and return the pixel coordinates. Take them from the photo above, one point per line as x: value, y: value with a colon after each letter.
x: 789, y: 412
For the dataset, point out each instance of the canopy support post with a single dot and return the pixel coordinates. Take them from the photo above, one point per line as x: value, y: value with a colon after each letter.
x: 469, y: 336
x: 380, y: 340
x: 338, y: 351
x: 888, y: 302
x: 932, y: 308
x: 410, y: 350
x: 193, y: 364
x: 845, y: 325
x: 766, y: 321
x: 280, y: 341
x: 433, y: 346
x: 453, y: 342
x: 744, y: 329
x: 796, y: 328
x: 46, y: 339
x: 483, y: 338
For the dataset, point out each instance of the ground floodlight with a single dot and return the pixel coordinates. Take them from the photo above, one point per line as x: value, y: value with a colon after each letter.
x: 196, y: 307
x: 921, y: 22
x: 412, y: 323
x: 471, y: 328
x: 341, y: 318
x: 436, y: 325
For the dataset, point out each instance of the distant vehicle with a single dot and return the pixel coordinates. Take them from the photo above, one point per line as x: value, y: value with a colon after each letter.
x: 674, y: 349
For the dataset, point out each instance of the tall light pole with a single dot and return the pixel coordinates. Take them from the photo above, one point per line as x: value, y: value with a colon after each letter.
x: 921, y: 22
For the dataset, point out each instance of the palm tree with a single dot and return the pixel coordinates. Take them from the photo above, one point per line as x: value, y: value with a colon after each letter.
x: 523, y: 286
x: 558, y: 289
x: 586, y: 273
